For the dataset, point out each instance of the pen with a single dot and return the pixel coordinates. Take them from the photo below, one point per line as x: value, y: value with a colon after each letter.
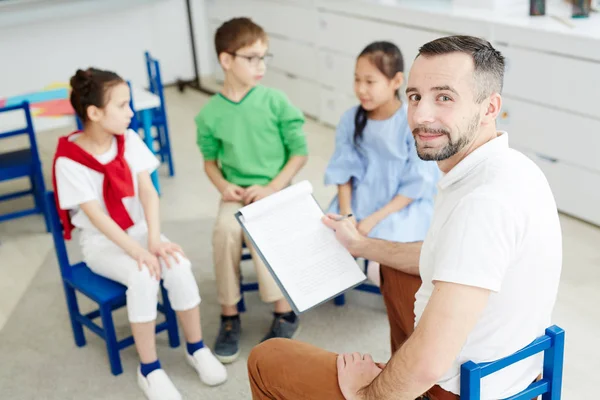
x: 344, y: 217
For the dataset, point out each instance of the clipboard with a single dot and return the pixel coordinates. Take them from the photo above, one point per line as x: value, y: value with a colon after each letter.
x: 294, y: 306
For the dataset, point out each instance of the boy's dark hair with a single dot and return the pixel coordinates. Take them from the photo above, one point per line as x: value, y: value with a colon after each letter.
x: 489, y: 62
x: 89, y: 88
x: 388, y: 59
x: 236, y: 33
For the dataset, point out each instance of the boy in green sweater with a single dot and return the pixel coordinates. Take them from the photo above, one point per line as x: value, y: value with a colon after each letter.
x: 253, y: 145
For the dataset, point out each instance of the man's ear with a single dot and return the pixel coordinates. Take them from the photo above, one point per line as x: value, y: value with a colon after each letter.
x: 493, y: 105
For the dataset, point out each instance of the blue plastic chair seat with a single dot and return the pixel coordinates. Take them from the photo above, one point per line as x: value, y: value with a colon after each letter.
x: 96, y: 287
x: 16, y: 164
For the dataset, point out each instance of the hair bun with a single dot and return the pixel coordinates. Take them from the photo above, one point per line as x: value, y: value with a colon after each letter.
x: 82, y: 82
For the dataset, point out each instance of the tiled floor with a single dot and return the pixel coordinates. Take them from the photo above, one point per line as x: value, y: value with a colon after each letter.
x: 189, y: 195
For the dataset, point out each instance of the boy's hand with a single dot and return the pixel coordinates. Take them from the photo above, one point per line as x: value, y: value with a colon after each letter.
x: 233, y: 193
x: 256, y: 192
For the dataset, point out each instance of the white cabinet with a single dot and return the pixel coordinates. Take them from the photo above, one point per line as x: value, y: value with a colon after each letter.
x: 291, y: 20
x: 553, y: 80
x: 336, y: 71
x: 350, y: 35
x: 294, y: 57
x: 576, y: 190
x: 303, y: 94
x: 556, y: 134
x: 333, y: 105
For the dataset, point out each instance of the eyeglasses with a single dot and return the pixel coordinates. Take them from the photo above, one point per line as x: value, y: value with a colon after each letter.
x: 255, y: 60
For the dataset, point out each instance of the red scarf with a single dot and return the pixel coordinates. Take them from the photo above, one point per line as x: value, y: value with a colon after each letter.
x: 118, y: 181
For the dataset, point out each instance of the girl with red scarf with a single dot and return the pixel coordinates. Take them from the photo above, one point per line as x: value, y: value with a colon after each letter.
x: 102, y: 183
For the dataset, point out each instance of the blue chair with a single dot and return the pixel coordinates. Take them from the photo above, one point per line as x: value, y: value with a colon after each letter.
x: 159, y: 115
x: 363, y: 287
x: 245, y: 287
x: 108, y: 294
x: 553, y: 346
x: 24, y: 163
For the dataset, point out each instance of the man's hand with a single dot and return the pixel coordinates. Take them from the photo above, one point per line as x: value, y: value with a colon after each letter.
x: 355, y: 371
x: 345, y: 231
x: 233, y: 193
x: 256, y: 192
x: 165, y: 250
x: 366, y: 225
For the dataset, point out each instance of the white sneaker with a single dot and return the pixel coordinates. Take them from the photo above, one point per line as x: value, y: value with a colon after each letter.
x: 157, y: 385
x: 210, y: 370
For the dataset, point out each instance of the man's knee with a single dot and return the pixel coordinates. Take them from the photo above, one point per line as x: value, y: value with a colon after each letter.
x: 266, y: 355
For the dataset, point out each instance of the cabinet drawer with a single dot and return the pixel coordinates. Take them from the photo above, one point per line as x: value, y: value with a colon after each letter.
x: 566, y: 83
x: 581, y: 42
x: 337, y: 71
x: 576, y: 190
x: 302, y: 93
x: 286, y: 19
x: 350, y: 35
x: 561, y: 135
x: 293, y: 57
x: 333, y: 105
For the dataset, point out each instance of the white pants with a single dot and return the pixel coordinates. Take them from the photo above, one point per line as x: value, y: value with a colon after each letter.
x: 110, y: 261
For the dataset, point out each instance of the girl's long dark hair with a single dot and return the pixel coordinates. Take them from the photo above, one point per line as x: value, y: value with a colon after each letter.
x: 388, y: 59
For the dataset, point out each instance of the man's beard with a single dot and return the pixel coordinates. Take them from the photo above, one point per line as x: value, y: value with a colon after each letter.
x: 450, y: 149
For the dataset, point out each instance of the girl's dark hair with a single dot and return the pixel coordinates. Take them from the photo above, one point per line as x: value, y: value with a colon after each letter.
x: 388, y: 59
x: 89, y: 88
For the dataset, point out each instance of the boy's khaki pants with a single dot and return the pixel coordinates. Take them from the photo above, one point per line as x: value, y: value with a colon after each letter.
x: 227, y: 253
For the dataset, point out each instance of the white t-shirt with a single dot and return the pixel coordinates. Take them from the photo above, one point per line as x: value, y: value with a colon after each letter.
x: 495, y: 226
x: 77, y: 184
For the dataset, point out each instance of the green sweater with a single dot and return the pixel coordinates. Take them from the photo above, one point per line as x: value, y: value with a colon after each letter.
x: 252, y: 140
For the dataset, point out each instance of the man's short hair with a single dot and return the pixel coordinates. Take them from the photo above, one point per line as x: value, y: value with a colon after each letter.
x: 489, y: 63
x: 237, y: 33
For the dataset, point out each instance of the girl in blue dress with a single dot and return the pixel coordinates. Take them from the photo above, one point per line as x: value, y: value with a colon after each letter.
x: 380, y: 178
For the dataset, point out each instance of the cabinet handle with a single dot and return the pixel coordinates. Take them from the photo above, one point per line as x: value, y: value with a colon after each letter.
x: 547, y: 158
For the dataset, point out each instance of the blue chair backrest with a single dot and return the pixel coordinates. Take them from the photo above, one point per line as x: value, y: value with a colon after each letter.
x: 57, y: 236
x: 155, y: 84
x: 553, y: 346
x: 26, y: 130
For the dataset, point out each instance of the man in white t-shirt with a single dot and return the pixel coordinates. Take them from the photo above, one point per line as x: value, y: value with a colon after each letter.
x: 483, y: 283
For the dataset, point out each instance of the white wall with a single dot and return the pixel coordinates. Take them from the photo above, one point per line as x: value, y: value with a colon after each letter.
x: 203, y: 38
x: 38, y: 54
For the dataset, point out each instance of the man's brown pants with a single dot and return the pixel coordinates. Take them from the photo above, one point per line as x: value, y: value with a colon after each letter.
x: 290, y: 370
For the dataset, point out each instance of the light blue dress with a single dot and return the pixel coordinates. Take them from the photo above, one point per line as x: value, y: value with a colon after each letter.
x: 384, y: 165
